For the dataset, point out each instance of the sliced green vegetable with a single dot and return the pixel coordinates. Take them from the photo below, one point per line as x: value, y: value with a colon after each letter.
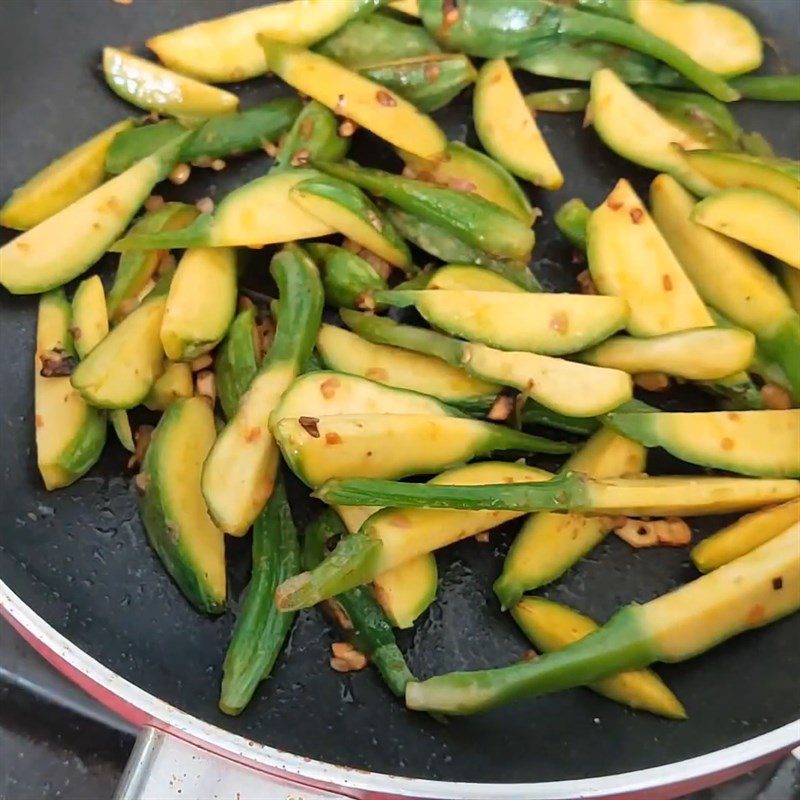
x: 549, y: 544
x: 346, y: 209
x: 329, y: 394
x: 572, y: 219
x: 367, y: 623
x: 745, y: 292
x: 377, y: 445
x: 237, y: 360
x: 260, y: 628
x: 442, y: 244
x: 377, y: 38
x: 578, y: 59
x: 573, y: 491
x: 174, y: 383
x: 367, y: 103
x: 551, y: 627
x: 405, y: 592
x: 393, y: 537
x: 741, y: 171
x: 122, y: 428
x: 409, y: 370
x: 201, y: 303
x: 89, y: 318
x: 242, y: 132
x: 756, y: 218
x: 751, y: 591
x: 558, y: 101
x: 508, y: 130
x: 550, y: 324
x: 372, y: 358
x: 137, y: 267
x: 769, y: 87
x: 89, y: 328
x: 463, y: 168
x: 429, y: 82
x: 633, y: 129
x: 121, y: 370
x: 222, y: 136
x: 136, y: 143
x: 483, y: 29
x: 629, y: 258
x: 473, y: 220
x: 701, y: 116
x: 454, y: 277
x: 224, y: 49
x: 349, y: 280
x: 239, y: 473
x: 258, y: 213
x: 716, y: 37
x: 70, y: 434
x: 154, y: 88
x: 174, y: 514
x: 68, y: 243
x: 744, y: 535
x: 576, y: 390
x: 747, y: 442
x: 61, y: 182
x: 314, y: 134
x: 698, y: 115
x: 700, y: 354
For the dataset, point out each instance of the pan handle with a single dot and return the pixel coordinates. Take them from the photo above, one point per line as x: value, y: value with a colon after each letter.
x: 164, y: 767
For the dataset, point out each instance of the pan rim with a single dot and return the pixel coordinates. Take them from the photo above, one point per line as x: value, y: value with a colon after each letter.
x: 143, y: 709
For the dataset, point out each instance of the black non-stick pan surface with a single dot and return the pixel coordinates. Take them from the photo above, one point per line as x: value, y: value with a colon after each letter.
x: 79, y: 558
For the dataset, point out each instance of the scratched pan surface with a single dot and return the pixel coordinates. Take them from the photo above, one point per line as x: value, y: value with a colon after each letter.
x: 79, y: 558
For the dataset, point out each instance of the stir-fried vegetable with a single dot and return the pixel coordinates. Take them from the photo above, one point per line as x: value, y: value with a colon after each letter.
x: 475, y: 221
x: 260, y: 628
x: 357, y: 611
x: 549, y: 543
x: 67, y: 243
x: 572, y: 491
x: 239, y: 473
x: 508, y: 130
x: 231, y: 134
x: 751, y: 591
x: 153, y: 88
x: 175, y: 516
x: 62, y: 182
x: 70, y: 433
x: 551, y: 627
x: 451, y: 362
x: 569, y: 388
x: 484, y: 28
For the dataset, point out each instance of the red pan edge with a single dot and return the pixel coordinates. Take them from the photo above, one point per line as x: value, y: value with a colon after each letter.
x: 144, y: 710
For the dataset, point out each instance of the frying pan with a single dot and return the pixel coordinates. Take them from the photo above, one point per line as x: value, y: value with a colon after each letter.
x: 80, y: 583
